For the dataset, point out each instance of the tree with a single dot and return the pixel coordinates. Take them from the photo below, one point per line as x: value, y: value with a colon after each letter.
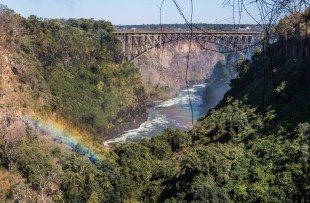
x: 13, y: 128
x: 93, y: 198
x: 242, y: 66
x: 45, y: 180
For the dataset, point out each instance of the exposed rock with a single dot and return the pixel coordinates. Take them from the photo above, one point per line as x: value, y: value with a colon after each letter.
x: 12, y: 125
x: 162, y: 81
x: 11, y: 97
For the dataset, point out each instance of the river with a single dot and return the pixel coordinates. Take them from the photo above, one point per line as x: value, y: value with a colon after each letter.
x: 173, y: 113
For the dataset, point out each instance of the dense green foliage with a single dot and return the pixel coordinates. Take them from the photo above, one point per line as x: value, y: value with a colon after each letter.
x: 62, y: 174
x: 253, y: 147
x: 75, y: 68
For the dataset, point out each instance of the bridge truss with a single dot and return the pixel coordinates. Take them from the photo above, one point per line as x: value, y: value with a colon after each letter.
x: 135, y: 44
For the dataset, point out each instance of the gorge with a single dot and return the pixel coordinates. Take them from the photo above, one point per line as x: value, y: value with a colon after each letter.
x: 65, y: 87
x: 176, y: 112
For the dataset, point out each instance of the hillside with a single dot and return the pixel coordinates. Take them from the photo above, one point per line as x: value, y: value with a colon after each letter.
x: 64, y: 88
x: 73, y: 70
x: 253, y: 147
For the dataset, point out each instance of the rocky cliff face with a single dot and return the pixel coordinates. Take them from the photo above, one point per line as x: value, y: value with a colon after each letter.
x: 164, y: 69
x: 11, y: 96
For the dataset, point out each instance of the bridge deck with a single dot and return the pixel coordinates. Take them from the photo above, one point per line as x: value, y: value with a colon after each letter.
x: 186, y: 33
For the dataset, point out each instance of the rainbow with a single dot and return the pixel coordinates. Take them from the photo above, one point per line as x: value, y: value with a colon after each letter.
x: 77, y: 140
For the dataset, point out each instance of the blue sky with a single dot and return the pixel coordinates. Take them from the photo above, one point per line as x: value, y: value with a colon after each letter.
x: 123, y: 12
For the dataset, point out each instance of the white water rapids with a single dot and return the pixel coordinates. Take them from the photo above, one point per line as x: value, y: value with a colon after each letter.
x: 172, y: 113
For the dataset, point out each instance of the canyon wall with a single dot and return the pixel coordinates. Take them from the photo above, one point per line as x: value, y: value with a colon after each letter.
x: 163, y: 69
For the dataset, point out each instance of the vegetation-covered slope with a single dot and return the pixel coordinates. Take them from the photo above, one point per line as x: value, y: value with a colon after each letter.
x: 64, y: 70
x: 74, y: 69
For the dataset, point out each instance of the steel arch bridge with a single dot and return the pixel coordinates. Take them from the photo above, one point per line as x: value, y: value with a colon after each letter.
x: 137, y: 43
